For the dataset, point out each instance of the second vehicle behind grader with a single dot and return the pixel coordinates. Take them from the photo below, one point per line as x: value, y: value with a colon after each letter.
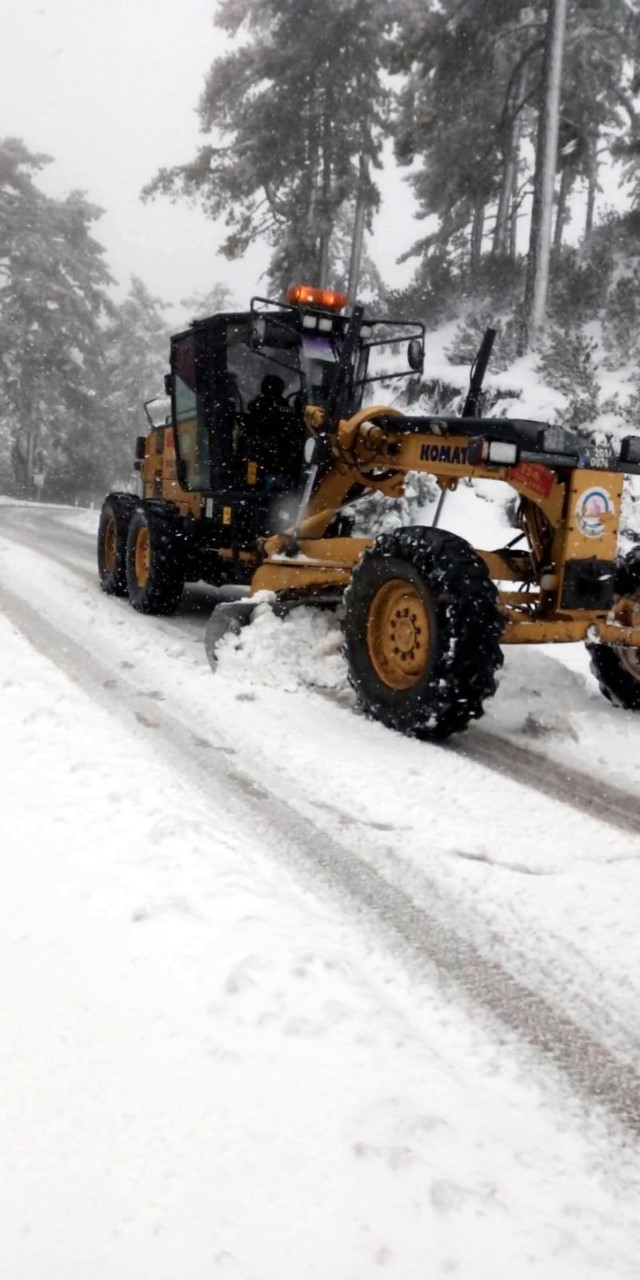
x: 270, y: 442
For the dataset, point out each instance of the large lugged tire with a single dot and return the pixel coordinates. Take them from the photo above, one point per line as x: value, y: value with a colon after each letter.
x: 422, y: 632
x: 617, y: 669
x: 155, y: 559
x: 117, y: 510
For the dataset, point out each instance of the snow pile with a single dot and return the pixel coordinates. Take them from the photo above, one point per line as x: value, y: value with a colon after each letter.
x: 286, y: 653
x: 540, y: 385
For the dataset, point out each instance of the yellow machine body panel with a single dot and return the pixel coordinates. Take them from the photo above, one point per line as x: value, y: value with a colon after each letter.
x: 159, y: 476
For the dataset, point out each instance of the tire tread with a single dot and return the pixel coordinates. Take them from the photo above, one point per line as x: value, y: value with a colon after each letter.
x: 466, y: 648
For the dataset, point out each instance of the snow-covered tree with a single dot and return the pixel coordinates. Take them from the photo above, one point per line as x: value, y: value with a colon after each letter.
x: 53, y: 302
x: 295, y: 115
x: 473, y: 92
x: 467, y: 77
x: 136, y: 358
x: 211, y: 302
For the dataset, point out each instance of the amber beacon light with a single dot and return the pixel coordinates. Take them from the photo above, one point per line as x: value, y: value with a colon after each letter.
x: 328, y: 299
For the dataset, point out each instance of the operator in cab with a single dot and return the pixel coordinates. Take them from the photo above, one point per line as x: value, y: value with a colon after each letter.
x: 274, y: 436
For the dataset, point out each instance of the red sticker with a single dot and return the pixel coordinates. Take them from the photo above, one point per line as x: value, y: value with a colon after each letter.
x: 535, y: 477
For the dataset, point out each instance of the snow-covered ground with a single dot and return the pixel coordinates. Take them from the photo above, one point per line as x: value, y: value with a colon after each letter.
x: 259, y: 953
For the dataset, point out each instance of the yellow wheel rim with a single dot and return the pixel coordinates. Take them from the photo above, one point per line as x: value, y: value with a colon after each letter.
x: 142, y: 556
x: 110, y: 545
x: 398, y: 634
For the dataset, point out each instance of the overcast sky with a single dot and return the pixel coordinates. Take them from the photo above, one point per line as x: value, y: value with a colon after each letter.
x: 109, y: 88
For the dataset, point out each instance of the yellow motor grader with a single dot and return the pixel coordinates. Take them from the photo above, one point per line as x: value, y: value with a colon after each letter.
x: 271, y: 441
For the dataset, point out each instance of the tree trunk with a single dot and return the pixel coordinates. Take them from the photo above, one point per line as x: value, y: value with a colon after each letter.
x: 358, y: 235
x: 323, y: 257
x: 305, y: 243
x: 502, y: 214
x: 537, y: 282
x: 513, y: 213
x: 325, y: 218
x: 566, y: 182
x: 29, y: 431
x: 509, y: 176
x: 477, y: 228
x: 592, y: 184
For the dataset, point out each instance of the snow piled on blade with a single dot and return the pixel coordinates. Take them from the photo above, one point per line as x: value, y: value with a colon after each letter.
x: 301, y: 650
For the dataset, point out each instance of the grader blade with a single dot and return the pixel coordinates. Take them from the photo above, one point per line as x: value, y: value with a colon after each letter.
x: 227, y: 619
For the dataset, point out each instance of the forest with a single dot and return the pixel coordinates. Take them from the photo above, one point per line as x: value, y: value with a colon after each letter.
x: 477, y: 104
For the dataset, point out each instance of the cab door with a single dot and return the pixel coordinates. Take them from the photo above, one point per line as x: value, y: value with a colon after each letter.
x: 191, y: 410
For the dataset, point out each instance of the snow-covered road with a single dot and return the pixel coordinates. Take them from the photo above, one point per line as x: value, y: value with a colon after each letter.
x: 292, y: 995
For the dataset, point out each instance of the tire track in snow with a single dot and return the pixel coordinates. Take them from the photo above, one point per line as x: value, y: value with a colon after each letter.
x: 424, y: 942
x: 33, y: 540
x: 581, y: 791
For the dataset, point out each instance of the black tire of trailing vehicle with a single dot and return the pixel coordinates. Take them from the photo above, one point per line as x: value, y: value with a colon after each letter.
x: 118, y: 507
x: 461, y: 603
x: 163, y: 588
x: 615, y: 681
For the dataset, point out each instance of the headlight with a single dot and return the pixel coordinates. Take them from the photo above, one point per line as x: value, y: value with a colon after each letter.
x: 502, y: 453
x: 498, y: 453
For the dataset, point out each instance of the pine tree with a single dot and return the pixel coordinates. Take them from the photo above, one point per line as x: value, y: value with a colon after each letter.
x: 214, y: 300
x: 472, y: 91
x: 136, y: 358
x: 53, y: 299
x: 296, y: 114
x: 459, y: 115
x: 627, y: 145
x: 597, y: 103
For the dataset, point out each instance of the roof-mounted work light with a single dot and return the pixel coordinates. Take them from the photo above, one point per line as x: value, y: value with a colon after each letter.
x: 306, y: 295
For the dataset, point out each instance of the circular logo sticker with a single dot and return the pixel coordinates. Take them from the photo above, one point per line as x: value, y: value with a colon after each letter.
x: 593, y: 508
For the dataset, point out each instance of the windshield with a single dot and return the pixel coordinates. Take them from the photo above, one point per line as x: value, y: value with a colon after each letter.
x: 319, y: 359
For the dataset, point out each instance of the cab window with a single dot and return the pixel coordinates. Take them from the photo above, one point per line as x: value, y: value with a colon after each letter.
x: 247, y: 367
x: 193, y: 436
x: 185, y: 380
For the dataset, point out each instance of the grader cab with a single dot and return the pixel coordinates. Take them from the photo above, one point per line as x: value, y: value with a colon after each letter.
x: 272, y: 434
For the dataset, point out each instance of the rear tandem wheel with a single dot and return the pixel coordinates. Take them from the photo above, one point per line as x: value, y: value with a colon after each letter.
x: 115, y: 517
x: 155, y: 559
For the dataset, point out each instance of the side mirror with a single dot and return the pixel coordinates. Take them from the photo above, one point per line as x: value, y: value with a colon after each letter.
x: 415, y: 355
x: 258, y: 332
x: 140, y: 451
x: 168, y: 384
